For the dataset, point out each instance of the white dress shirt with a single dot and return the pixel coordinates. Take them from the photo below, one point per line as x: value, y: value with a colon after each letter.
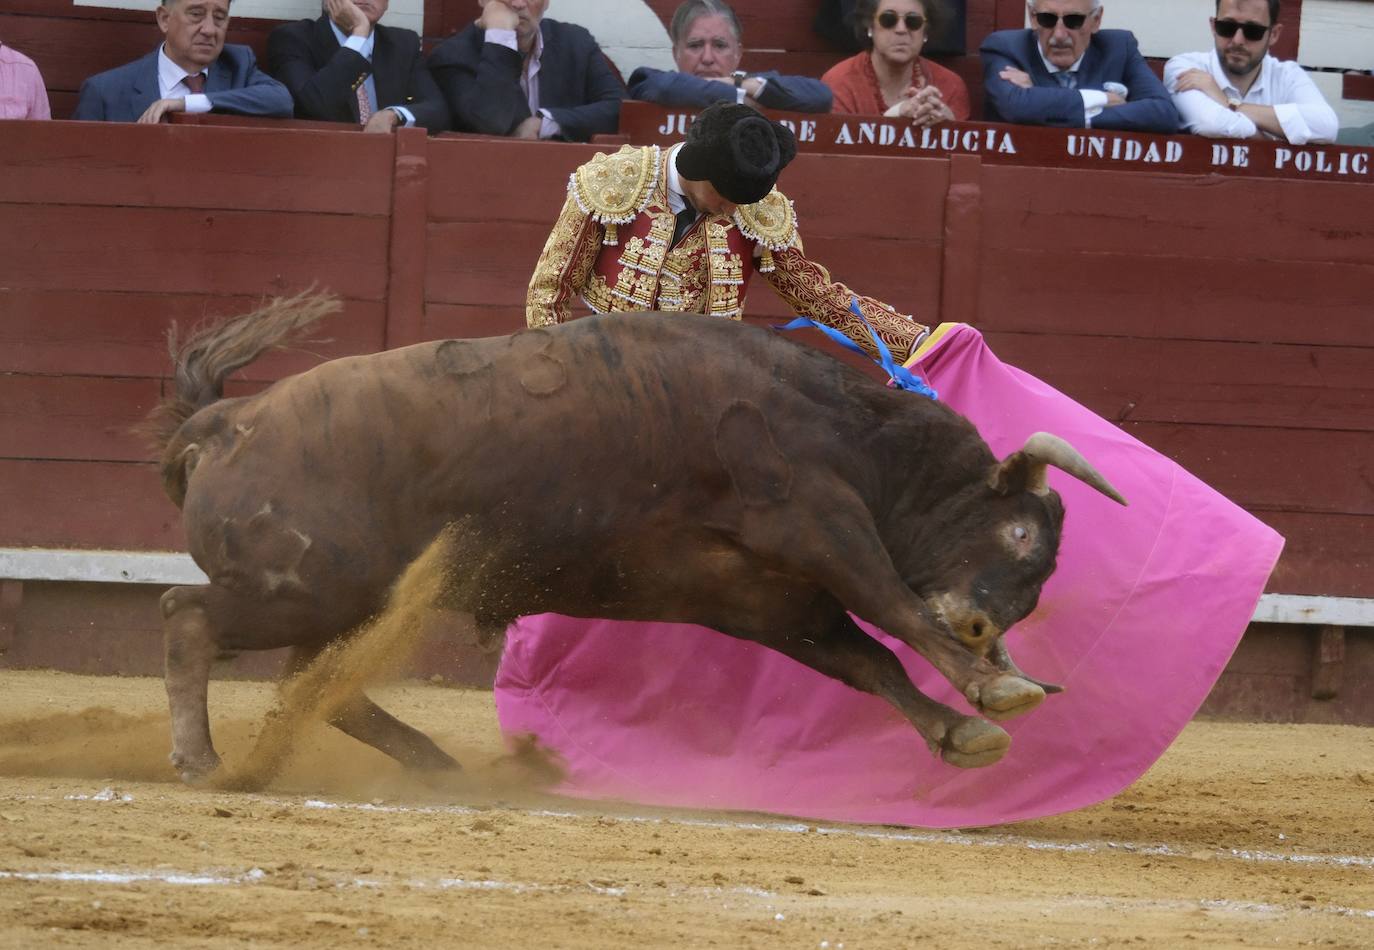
x: 1302, y: 112
x: 171, y: 83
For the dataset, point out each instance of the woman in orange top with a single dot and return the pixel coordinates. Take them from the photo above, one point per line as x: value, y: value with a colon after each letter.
x: 891, y: 78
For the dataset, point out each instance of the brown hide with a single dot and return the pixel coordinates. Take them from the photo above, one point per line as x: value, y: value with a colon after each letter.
x: 647, y: 466
x: 604, y: 468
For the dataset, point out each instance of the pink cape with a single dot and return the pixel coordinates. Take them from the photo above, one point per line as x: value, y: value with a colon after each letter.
x: 1144, y: 611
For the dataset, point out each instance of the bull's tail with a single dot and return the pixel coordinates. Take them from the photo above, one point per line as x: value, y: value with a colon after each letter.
x: 210, y: 354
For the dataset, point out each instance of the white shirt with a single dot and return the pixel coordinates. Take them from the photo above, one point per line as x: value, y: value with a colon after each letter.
x: 529, y: 77
x: 171, y: 83
x: 1094, y: 100
x: 1298, y: 105
x: 363, y: 45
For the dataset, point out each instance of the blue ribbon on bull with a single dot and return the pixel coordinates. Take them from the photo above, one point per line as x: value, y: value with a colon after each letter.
x: 900, y: 376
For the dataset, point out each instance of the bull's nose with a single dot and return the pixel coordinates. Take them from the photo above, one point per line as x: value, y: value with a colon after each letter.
x: 977, y: 632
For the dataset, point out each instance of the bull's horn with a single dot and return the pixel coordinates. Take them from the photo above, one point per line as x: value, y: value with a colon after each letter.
x: 1043, y: 449
x: 1003, y: 661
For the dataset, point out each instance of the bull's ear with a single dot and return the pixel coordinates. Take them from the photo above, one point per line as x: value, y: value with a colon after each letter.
x: 1025, y: 470
x: 1017, y: 473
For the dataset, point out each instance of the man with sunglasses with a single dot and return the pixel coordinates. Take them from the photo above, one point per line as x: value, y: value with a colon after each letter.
x: 1066, y: 71
x: 1239, y: 91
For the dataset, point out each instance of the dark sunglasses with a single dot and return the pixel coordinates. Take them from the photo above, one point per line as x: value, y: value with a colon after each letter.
x: 1227, y: 28
x: 888, y: 20
x: 1072, y: 21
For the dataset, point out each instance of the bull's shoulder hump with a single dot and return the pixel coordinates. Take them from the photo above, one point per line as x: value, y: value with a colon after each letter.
x: 770, y: 221
x: 614, y: 188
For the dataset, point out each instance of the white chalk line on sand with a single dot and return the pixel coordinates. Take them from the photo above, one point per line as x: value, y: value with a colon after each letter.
x: 256, y: 876
x: 982, y: 839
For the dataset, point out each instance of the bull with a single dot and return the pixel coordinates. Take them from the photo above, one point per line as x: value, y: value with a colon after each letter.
x: 636, y: 467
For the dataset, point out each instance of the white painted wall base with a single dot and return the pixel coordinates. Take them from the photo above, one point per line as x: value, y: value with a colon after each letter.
x: 170, y: 567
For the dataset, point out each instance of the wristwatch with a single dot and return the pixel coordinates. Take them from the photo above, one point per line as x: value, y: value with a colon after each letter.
x: 740, y: 76
x: 1233, y: 103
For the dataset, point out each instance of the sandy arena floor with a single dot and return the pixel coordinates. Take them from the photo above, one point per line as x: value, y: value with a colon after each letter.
x: 1240, y: 835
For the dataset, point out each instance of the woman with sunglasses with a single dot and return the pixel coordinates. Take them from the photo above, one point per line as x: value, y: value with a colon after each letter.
x: 892, y: 78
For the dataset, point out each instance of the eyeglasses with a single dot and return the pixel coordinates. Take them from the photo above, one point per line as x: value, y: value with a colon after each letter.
x: 1072, y: 21
x: 888, y: 20
x: 1253, y: 31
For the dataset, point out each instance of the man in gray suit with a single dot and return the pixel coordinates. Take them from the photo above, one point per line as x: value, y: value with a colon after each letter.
x: 192, y: 71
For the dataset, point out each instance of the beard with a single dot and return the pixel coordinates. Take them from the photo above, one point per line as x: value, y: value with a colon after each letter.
x: 1241, y: 62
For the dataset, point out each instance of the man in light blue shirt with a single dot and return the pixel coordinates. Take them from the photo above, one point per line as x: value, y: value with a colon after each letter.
x: 192, y: 71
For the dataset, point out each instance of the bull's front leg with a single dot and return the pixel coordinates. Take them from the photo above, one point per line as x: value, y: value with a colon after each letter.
x: 846, y: 653
x: 845, y: 555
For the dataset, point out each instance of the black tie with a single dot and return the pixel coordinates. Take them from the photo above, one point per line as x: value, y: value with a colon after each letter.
x: 685, y: 219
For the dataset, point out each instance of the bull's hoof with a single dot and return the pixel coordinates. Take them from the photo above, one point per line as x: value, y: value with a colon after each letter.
x: 196, y: 770
x: 974, y: 743
x: 1009, y: 696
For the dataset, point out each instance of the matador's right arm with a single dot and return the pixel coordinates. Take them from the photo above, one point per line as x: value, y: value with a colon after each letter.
x: 564, y: 266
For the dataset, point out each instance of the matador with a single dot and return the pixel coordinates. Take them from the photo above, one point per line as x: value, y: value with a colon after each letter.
x: 685, y: 228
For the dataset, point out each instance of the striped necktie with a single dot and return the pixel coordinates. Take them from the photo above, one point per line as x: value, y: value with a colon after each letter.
x: 1067, y: 79
x: 685, y: 219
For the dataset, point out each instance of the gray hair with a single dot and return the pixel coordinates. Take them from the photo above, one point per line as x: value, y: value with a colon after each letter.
x: 693, y: 10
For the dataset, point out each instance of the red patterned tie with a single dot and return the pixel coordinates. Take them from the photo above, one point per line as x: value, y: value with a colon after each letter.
x: 364, y: 106
x: 195, y: 83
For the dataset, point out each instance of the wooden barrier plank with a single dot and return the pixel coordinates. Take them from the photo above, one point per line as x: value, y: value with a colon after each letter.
x: 244, y: 169
x: 1217, y: 297
x: 83, y: 418
x: 186, y: 251
x: 1324, y: 553
x: 530, y: 187
x: 466, y: 266
x: 74, y: 417
x: 1201, y: 382
x: 482, y: 263
x: 465, y: 321
x: 1092, y: 213
x: 124, y: 334
x: 838, y: 196
x: 86, y: 505
x: 1263, y: 469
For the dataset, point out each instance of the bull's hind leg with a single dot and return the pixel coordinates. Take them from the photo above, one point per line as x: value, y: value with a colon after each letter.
x: 359, y: 717
x: 844, y: 652
x: 190, y: 649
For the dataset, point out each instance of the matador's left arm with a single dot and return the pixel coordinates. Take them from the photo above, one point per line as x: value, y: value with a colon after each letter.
x: 808, y: 288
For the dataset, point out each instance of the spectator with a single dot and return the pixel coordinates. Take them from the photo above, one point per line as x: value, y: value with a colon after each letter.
x: 892, y: 78
x: 1066, y: 71
x: 685, y: 229
x: 1238, y: 91
x: 513, y: 72
x: 22, y: 95
x: 192, y: 71
x: 707, y: 46
x: 346, y: 67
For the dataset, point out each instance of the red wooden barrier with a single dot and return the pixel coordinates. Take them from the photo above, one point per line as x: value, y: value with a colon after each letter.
x: 1220, y: 319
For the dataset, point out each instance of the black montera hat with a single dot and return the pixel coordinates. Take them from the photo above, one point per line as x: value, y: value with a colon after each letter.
x: 737, y: 150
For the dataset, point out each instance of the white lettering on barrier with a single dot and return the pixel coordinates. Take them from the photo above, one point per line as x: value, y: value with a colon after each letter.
x: 930, y: 140
x: 805, y: 131
x: 1117, y: 149
x: 1321, y: 161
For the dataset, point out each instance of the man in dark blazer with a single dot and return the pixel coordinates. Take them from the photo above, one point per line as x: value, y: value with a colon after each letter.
x: 707, y: 47
x: 512, y: 72
x: 1066, y: 71
x: 192, y: 71
x: 347, y: 67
